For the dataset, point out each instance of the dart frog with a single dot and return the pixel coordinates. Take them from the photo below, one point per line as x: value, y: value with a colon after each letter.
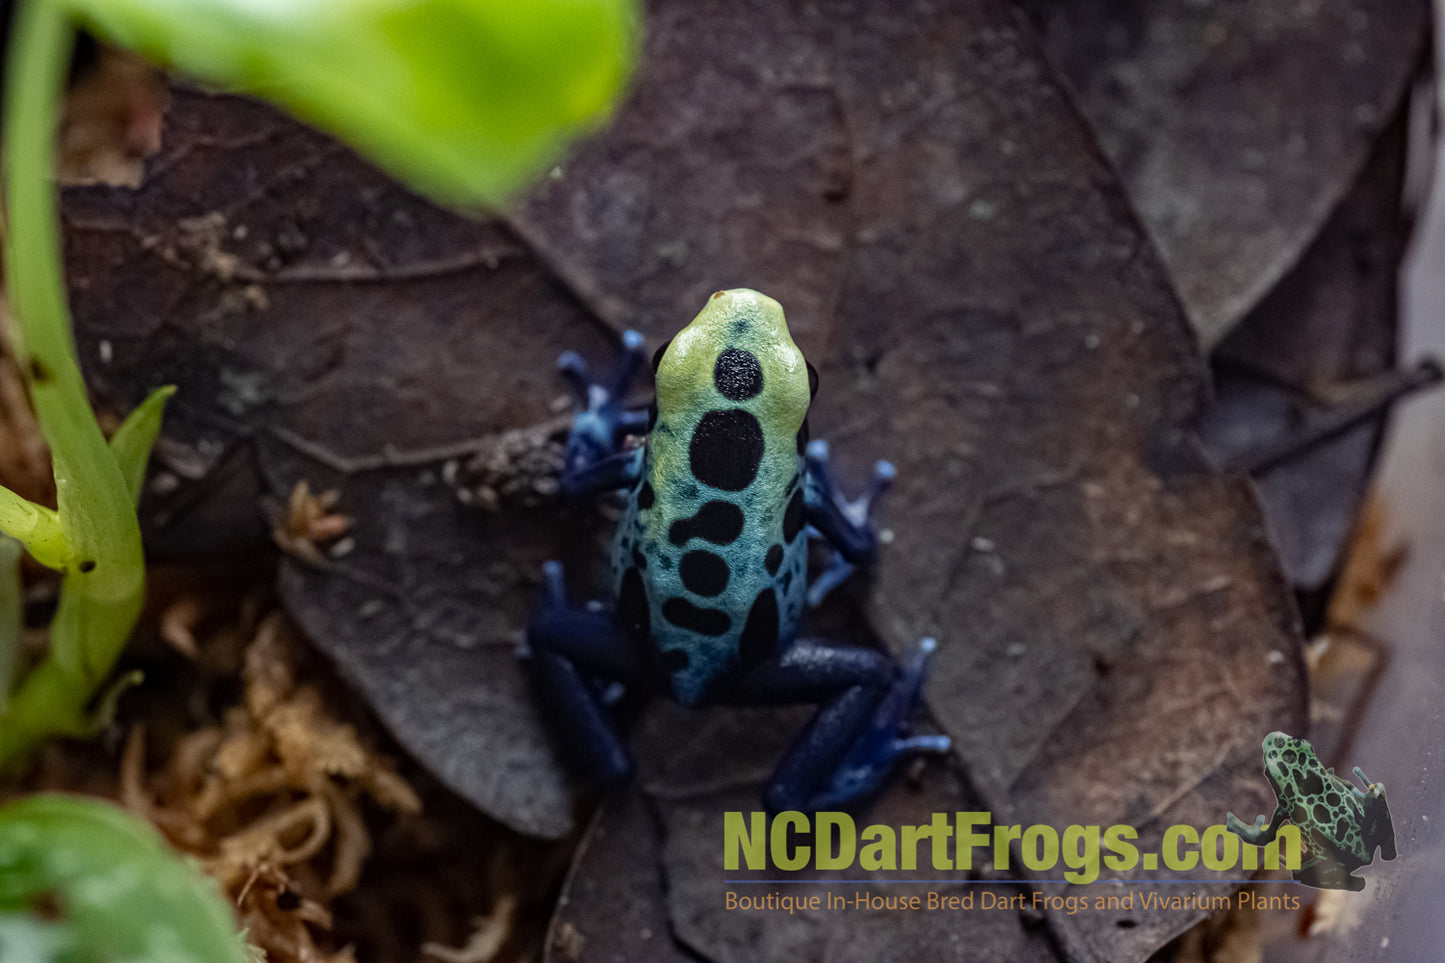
x: 1340, y: 826
x: 709, y: 562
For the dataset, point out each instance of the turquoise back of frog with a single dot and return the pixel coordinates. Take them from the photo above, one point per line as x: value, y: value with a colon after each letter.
x: 710, y: 556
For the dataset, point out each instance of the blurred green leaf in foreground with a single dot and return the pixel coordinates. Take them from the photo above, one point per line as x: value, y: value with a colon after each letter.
x: 463, y: 99
x: 82, y: 880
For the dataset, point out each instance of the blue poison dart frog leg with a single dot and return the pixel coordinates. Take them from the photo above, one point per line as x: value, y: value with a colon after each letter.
x: 842, y: 523
x: 851, y: 745
x: 634, y: 421
x: 603, y: 420
x: 611, y: 473
x: 871, y: 757
x: 624, y: 373
x: 567, y: 648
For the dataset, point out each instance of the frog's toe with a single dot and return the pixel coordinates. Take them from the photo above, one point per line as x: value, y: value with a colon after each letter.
x: 866, y: 768
x: 903, y: 702
x: 856, y: 515
x: 577, y: 374
x: 820, y: 474
x: 887, y: 740
x: 860, y: 510
x: 618, y: 380
x: 603, y: 419
x: 835, y: 574
x: 914, y: 745
x: 910, y: 683
x: 554, y: 583
x: 1250, y: 833
x: 631, y: 362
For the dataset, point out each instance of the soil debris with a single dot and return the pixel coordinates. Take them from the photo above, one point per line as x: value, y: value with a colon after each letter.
x: 270, y: 800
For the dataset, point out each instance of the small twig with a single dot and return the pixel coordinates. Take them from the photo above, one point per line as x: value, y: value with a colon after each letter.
x: 391, y: 457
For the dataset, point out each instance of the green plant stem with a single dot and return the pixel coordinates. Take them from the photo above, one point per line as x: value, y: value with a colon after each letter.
x: 104, y: 575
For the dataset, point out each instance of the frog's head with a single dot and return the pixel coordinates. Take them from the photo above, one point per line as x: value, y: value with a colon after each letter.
x: 1376, y: 825
x: 737, y: 352
x: 1292, y: 768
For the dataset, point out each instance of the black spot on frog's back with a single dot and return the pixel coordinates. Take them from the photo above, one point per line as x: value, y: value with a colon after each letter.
x: 773, y: 559
x: 793, y: 517
x: 759, y: 637
x: 632, y: 610
x: 703, y: 572
x: 716, y: 521
x: 726, y: 449
x: 737, y: 375
x: 1310, y: 783
x: 683, y: 614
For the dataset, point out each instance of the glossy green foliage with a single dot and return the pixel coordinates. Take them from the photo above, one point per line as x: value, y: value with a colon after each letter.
x: 92, y: 536
x: 463, y: 99
x: 82, y: 881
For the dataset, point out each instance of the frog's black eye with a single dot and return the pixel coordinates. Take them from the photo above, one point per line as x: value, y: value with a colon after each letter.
x: 657, y: 355
x: 812, y: 379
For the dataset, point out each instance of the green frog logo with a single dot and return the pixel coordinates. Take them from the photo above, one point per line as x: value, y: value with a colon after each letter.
x: 1340, y: 825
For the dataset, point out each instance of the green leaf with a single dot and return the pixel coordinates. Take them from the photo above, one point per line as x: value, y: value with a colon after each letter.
x: 81, y: 879
x: 133, y: 440
x: 36, y: 527
x: 464, y: 99
x: 93, y: 535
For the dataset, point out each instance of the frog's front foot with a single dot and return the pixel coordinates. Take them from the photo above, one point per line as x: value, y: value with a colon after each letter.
x: 1250, y: 834
x: 596, y: 458
x: 841, y: 522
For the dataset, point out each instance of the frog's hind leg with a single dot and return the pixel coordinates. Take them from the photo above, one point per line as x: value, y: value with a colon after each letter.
x: 860, y: 731
x: 1327, y: 873
x: 596, y: 459
x: 570, y: 648
x: 841, y: 522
